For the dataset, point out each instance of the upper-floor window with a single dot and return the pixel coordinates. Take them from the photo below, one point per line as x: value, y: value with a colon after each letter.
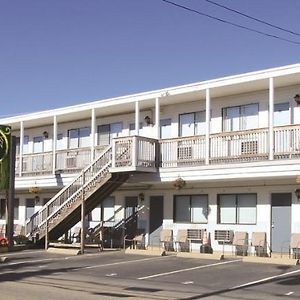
x: 165, y: 128
x: 241, y: 117
x: 237, y: 208
x: 132, y: 128
x: 38, y: 144
x: 109, y: 131
x: 26, y: 144
x: 79, y: 137
x: 282, y: 114
x: 60, y: 141
x: 192, y: 123
x: 191, y: 208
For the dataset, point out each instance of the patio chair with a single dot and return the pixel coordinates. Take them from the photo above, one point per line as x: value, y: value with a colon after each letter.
x: 181, y: 240
x: 76, y: 235
x: 137, y: 242
x: 166, y: 239
x: 259, y: 242
x: 240, y: 242
x: 295, y: 245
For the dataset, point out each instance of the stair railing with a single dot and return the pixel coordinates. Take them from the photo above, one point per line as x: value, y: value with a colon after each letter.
x: 70, y: 192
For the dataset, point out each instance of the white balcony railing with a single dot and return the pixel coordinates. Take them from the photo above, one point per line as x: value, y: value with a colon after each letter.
x: 136, y: 151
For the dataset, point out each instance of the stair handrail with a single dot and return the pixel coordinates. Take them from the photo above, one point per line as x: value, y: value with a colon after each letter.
x: 79, y: 191
x: 39, y: 214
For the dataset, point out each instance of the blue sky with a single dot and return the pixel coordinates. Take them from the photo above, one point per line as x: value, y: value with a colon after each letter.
x: 64, y: 52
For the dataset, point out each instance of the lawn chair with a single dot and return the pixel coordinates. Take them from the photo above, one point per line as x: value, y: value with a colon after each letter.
x: 181, y: 241
x: 295, y: 245
x: 240, y: 242
x: 166, y: 239
x: 76, y: 235
x: 137, y: 242
x: 259, y: 242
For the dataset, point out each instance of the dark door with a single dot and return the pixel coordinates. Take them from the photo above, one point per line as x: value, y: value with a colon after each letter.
x: 130, y: 222
x: 156, y: 218
x: 281, y: 221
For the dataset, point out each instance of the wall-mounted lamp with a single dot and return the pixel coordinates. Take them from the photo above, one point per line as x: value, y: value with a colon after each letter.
x: 297, y: 99
x: 45, y: 134
x: 147, y: 120
x: 141, y: 197
x: 297, y: 193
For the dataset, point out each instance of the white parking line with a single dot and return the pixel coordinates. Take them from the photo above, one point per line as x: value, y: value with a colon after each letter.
x: 289, y: 294
x: 189, y: 269
x: 123, y: 262
x: 264, y: 280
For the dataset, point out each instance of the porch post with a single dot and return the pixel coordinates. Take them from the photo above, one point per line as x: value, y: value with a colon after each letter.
x: 82, y: 235
x: 54, y: 144
x: 93, y: 130
x: 207, y: 126
x: 137, y: 118
x: 21, y: 148
x: 157, y: 117
x: 271, y: 118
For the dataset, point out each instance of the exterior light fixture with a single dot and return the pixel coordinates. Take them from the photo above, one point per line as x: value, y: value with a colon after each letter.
x: 297, y: 99
x: 147, y: 120
x: 45, y: 134
x: 141, y: 197
x: 179, y: 183
x: 297, y: 193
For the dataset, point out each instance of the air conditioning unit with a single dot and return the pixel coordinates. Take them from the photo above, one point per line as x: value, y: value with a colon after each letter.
x: 184, y: 152
x: 249, y: 147
x: 71, y: 162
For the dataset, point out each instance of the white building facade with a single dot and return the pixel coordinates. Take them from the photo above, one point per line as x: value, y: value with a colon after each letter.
x: 221, y: 155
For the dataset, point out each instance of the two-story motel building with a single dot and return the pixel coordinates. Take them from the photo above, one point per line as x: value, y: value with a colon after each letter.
x: 222, y: 154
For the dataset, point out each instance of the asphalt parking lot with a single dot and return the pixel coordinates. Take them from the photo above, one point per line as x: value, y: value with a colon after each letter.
x: 116, y: 275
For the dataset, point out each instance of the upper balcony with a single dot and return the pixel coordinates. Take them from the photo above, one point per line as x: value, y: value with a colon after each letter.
x: 137, y: 153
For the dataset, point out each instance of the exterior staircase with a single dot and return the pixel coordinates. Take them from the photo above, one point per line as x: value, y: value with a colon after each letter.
x: 95, y: 183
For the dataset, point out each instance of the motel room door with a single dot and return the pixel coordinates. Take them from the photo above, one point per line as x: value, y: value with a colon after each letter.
x: 131, y: 210
x: 156, y: 218
x: 281, y: 221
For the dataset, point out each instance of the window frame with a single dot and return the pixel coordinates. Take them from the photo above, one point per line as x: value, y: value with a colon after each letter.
x: 195, y: 129
x: 110, y: 133
x: 236, y: 195
x: 241, y: 116
x: 78, y: 137
x: 190, y: 208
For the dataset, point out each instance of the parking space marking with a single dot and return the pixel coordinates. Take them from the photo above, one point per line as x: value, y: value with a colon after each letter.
x: 289, y: 294
x: 189, y: 269
x: 264, y: 280
x: 122, y: 262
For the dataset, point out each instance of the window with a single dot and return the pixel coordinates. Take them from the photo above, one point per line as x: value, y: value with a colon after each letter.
x: 282, y: 114
x: 3, y: 209
x: 240, y: 117
x: 165, y: 128
x: 26, y: 144
x: 192, y: 123
x: 191, y: 208
x: 105, y: 211
x: 109, y: 131
x: 60, y: 142
x: 38, y: 144
x: 30, y: 203
x: 17, y: 145
x: 132, y: 128
x: 79, y: 137
x: 237, y: 209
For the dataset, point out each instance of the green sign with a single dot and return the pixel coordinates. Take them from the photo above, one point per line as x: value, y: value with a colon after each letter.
x: 5, y: 135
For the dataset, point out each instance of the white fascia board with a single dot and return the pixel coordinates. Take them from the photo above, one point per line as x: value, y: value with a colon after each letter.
x: 182, y: 89
x: 238, y: 171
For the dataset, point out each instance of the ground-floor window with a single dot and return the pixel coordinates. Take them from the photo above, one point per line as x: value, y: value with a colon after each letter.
x: 105, y: 211
x: 191, y: 208
x: 237, y: 208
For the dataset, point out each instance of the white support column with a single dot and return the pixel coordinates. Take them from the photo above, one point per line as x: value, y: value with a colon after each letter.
x: 137, y: 118
x: 54, y: 144
x: 93, y: 131
x: 271, y: 118
x: 157, y: 118
x: 21, y: 147
x: 207, y: 126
